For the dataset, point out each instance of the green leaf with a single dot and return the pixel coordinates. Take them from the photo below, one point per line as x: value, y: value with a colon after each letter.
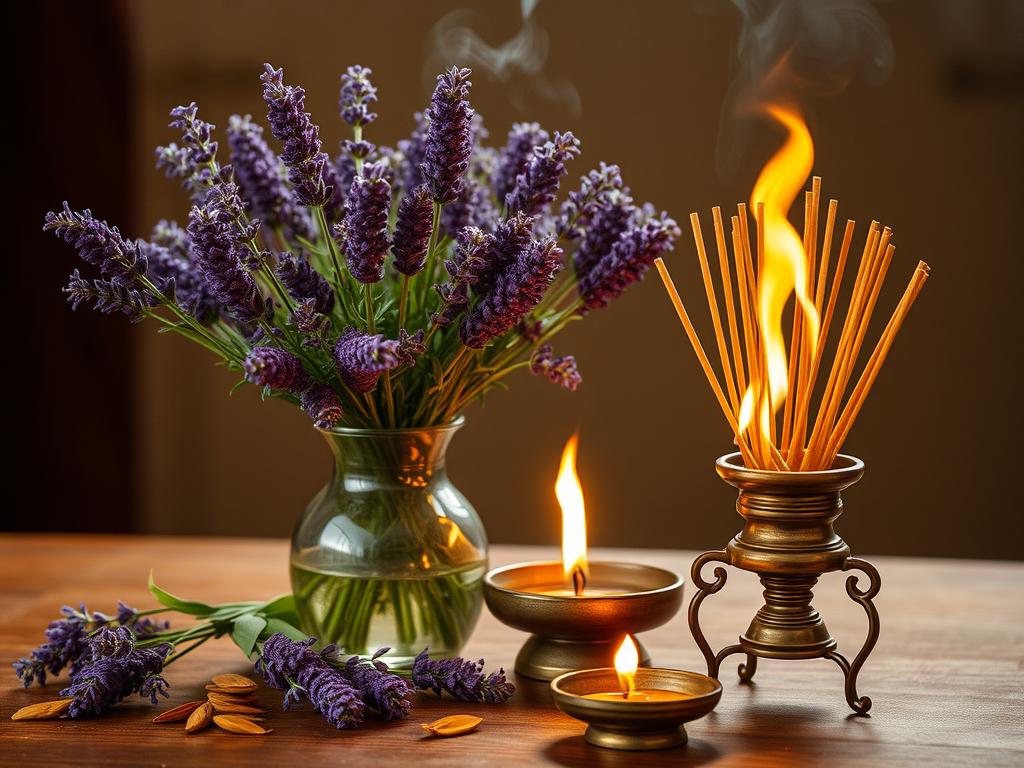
x: 277, y: 625
x: 191, y: 607
x: 246, y: 631
x: 282, y: 606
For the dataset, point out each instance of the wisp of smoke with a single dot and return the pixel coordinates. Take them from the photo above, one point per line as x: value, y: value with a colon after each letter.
x: 792, y: 50
x: 519, y: 61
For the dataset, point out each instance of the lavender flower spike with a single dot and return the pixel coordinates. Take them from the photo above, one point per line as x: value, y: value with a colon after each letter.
x: 276, y: 368
x: 309, y: 168
x: 303, y: 282
x: 462, y: 679
x: 381, y: 689
x: 361, y: 358
x: 323, y: 406
x: 537, y: 185
x: 261, y: 178
x: 115, y: 669
x: 515, y: 155
x: 357, y: 94
x: 628, y: 261
x: 219, y: 251
x: 517, y: 290
x: 98, y: 244
x: 449, y: 139
x: 597, y: 189
x: 559, y: 370
x: 296, y: 668
x: 365, y: 229
x: 468, y: 262
x: 106, y: 296
x: 412, y: 231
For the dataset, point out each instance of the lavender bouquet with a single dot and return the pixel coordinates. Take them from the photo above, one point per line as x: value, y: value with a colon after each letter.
x: 384, y: 288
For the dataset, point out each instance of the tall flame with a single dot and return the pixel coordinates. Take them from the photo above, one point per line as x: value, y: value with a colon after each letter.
x: 574, y: 519
x: 784, y: 270
x: 627, y: 658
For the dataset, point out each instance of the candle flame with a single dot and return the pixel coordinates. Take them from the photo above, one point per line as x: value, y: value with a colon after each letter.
x: 627, y: 658
x: 574, y: 519
x: 785, y: 266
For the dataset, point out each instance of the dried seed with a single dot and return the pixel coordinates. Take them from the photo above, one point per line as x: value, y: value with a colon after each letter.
x: 44, y: 710
x: 236, y: 709
x: 178, y: 713
x: 230, y: 701
x: 239, y: 724
x: 200, y: 718
x: 453, y: 725
x: 234, y: 682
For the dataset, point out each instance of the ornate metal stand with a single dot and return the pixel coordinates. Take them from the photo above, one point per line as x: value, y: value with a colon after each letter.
x: 788, y: 540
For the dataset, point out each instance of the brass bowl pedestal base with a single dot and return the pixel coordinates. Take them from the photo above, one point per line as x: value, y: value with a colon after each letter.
x: 788, y: 540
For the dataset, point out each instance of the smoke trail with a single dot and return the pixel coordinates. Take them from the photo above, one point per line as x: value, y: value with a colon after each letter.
x: 518, y: 62
x: 792, y: 50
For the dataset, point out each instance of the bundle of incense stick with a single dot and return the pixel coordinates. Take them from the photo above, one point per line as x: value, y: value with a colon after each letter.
x: 806, y: 441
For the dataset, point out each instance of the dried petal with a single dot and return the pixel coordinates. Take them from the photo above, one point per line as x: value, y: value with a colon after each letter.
x: 44, y: 710
x: 200, y: 718
x: 178, y: 713
x: 452, y: 725
x: 239, y: 724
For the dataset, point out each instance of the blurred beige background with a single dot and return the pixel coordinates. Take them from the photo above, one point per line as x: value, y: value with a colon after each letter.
x: 934, y: 152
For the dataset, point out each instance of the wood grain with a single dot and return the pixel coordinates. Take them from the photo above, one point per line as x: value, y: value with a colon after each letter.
x: 946, y: 678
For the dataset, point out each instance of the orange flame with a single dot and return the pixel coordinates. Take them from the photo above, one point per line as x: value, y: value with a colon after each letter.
x: 574, y: 518
x: 784, y: 270
x: 627, y: 658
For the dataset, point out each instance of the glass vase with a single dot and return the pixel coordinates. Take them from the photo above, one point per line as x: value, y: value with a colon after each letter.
x: 389, y: 552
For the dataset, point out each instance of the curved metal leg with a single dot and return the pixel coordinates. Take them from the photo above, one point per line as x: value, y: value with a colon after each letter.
x: 860, y: 704
x: 747, y: 669
x: 705, y: 588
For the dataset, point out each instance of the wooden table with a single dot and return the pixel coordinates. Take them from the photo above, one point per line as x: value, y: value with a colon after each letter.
x: 946, y: 677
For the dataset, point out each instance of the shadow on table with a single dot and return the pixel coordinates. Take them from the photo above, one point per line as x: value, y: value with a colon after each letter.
x: 574, y: 752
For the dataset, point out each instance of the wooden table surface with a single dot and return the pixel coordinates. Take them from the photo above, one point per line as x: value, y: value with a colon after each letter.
x: 947, y: 677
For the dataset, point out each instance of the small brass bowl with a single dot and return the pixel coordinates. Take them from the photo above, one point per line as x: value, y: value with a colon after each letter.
x: 570, y: 632
x: 636, y: 725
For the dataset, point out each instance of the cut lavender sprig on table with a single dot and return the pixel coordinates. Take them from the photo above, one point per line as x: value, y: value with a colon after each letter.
x: 462, y: 679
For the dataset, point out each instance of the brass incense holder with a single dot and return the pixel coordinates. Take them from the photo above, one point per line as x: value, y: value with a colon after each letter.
x: 570, y: 632
x: 788, y: 541
x: 631, y: 724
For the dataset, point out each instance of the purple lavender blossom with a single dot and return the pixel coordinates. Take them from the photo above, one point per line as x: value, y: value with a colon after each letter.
x: 361, y: 358
x: 515, y: 155
x: 308, y: 167
x: 115, y: 668
x: 537, y: 185
x: 106, y: 296
x: 312, y: 324
x: 98, y: 244
x: 323, y: 406
x: 412, y: 231
x: 179, y: 279
x: 469, y: 260
x: 559, y: 370
x: 628, y: 261
x: 276, y: 368
x: 294, y: 667
x: 460, y: 678
x: 381, y: 689
x: 357, y: 94
x: 449, y: 140
x: 192, y: 160
x: 597, y: 189
x: 517, y: 290
x: 606, y: 227
x: 511, y: 237
x: 365, y: 229
x: 169, y: 235
x: 413, y: 152
x: 410, y: 346
x: 260, y: 176
x: 304, y: 282
x: 473, y: 207
x: 220, y: 252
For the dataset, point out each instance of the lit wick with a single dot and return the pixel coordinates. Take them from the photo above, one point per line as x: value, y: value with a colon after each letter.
x: 574, y: 520
x: 579, y: 581
x: 627, y: 658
